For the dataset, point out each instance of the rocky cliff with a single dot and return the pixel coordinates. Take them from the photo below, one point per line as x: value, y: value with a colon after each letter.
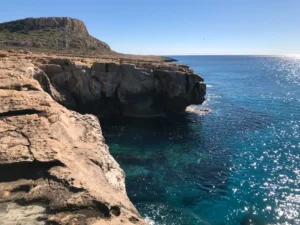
x: 52, y: 33
x: 106, y: 88
x: 56, y: 167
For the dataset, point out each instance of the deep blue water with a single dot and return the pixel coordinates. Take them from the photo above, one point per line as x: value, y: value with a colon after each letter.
x: 239, y: 164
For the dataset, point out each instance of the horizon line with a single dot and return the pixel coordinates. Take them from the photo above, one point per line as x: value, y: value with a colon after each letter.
x: 258, y: 55
x: 229, y: 55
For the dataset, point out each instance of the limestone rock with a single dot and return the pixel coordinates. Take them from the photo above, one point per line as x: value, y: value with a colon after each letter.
x: 58, y: 169
x: 72, y: 25
x: 142, y: 90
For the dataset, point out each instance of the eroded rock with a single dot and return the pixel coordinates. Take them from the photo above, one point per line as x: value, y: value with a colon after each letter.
x: 56, y: 167
x: 142, y: 90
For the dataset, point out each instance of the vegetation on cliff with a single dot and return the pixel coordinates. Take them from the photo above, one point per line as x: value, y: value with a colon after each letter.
x: 61, y: 34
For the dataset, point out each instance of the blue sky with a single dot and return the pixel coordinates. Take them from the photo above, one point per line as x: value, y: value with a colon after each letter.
x: 173, y: 27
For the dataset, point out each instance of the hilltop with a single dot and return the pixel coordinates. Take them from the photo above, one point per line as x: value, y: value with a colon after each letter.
x: 58, y: 34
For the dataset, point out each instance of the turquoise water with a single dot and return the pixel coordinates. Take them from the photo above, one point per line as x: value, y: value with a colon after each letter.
x: 239, y: 164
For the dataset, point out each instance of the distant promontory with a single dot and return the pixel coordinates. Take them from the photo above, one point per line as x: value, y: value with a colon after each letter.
x: 55, y: 33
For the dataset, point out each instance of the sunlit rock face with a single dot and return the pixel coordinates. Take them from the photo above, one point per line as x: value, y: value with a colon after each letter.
x: 141, y: 90
x: 56, y: 167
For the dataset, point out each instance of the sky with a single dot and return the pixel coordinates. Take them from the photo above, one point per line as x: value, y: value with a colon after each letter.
x: 178, y: 27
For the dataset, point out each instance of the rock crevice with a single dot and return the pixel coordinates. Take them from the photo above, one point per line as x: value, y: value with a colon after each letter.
x: 19, y: 112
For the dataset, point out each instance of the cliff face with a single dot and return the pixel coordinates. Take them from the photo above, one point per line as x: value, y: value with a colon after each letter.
x: 68, y: 24
x: 142, y: 90
x: 56, y: 168
x: 55, y: 33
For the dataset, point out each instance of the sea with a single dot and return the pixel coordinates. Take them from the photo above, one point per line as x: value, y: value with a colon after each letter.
x: 235, y: 160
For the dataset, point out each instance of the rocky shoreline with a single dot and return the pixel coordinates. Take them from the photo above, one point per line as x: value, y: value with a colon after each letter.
x: 58, y: 169
x: 113, y: 88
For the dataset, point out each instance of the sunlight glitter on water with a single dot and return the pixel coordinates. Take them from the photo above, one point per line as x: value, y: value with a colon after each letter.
x: 296, y: 56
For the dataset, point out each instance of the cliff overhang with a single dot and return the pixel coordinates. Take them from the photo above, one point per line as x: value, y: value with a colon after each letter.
x: 112, y: 88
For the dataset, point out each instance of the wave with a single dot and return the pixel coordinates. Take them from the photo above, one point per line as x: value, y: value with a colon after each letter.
x: 150, y: 221
x: 195, y: 109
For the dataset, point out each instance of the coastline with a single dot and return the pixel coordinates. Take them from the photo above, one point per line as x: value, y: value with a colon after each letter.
x: 66, y: 149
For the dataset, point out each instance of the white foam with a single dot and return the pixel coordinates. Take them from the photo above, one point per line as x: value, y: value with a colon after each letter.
x: 150, y: 221
x: 197, y: 110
